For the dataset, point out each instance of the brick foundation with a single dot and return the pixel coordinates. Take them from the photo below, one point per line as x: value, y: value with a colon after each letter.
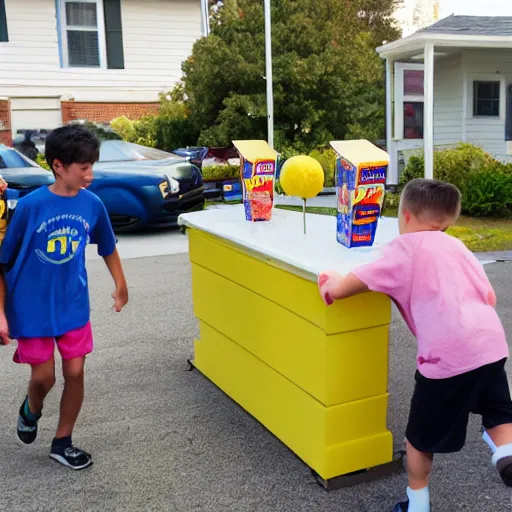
x: 105, y: 112
x: 5, y: 123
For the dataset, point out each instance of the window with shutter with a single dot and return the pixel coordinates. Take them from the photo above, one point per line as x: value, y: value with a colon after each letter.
x: 508, y: 122
x: 114, y: 34
x: 4, y: 34
x: 91, y: 33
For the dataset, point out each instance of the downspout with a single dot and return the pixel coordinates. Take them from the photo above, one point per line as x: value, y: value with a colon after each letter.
x: 205, y: 18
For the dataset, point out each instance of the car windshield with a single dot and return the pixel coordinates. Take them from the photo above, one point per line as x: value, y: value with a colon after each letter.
x: 11, y: 159
x: 119, y: 151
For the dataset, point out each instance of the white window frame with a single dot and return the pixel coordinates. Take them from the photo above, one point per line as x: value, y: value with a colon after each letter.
x: 401, y: 98
x: 472, y: 78
x: 102, y: 42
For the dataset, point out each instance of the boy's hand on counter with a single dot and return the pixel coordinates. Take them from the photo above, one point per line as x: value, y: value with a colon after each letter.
x: 325, y: 280
x: 334, y: 286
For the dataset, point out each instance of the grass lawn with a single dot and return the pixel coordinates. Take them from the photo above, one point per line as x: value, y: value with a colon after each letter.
x: 479, y: 235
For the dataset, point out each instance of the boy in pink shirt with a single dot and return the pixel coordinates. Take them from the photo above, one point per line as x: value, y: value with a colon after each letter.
x: 448, y: 304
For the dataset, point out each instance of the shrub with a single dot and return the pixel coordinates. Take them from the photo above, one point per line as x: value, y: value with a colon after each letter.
x: 488, y: 192
x: 171, y: 133
x: 145, y: 131
x: 327, y: 159
x: 41, y: 160
x: 391, y: 203
x: 170, y: 129
x: 450, y: 165
x: 221, y: 172
x: 124, y: 128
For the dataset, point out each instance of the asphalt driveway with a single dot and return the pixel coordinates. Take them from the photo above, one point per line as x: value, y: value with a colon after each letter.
x: 165, y: 439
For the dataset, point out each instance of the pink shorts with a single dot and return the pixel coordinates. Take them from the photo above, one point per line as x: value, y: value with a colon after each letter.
x: 75, y: 343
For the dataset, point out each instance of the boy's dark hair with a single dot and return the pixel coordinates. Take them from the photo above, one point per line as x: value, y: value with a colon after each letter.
x: 71, y: 144
x: 432, y: 199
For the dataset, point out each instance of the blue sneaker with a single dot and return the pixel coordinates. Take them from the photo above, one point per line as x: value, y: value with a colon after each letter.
x: 504, y: 467
x: 27, y: 430
x: 71, y: 457
x: 401, y: 506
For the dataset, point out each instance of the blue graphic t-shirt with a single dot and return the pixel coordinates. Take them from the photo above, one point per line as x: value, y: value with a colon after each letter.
x: 43, y: 255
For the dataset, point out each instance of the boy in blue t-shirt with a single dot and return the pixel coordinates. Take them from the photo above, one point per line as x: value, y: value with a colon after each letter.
x: 44, y: 297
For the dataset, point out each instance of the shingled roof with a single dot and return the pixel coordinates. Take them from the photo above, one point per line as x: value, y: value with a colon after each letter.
x: 472, y: 25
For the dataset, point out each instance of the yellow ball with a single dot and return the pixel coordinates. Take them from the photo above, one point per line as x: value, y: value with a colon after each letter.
x: 302, y: 176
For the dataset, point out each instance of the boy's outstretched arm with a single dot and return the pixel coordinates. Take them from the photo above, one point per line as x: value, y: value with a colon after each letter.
x: 334, y: 286
x: 120, y: 295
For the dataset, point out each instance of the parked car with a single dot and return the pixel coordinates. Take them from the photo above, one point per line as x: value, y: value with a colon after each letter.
x: 145, y: 187
x: 141, y: 187
x: 21, y: 173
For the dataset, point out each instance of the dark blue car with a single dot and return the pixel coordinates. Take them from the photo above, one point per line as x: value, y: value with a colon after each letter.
x: 141, y: 187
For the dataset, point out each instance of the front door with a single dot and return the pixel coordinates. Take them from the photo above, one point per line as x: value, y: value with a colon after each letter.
x: 508, y: 122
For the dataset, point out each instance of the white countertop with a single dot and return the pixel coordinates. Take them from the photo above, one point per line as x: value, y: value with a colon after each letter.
x: 283, y: 241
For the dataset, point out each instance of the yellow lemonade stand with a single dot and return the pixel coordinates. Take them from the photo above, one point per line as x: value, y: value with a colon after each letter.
x: 314, y: 376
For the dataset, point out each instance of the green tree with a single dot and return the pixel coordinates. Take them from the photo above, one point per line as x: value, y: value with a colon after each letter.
x: 328, y: 78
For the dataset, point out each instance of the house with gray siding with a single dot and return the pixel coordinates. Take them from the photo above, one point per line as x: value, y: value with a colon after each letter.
x: 449, y: 83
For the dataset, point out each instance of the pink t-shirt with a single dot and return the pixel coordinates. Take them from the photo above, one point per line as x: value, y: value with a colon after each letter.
x: 445, y: 298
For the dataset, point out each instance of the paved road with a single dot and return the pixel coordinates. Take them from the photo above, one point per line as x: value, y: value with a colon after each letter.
x: 165, y: 439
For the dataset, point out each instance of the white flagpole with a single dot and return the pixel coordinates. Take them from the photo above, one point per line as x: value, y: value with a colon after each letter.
x: 268, y: 59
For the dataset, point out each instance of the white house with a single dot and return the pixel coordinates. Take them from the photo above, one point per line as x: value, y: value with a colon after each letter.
x: 96, y: 59
x: 450, y: 83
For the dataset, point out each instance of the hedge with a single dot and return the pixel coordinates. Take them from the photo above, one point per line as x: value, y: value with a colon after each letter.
x: 484, y: 182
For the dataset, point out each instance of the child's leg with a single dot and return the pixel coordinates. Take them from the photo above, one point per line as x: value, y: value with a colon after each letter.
x: 73, y: 346
x: 42, y: 380
x: 495, y: 406
x: 419, y: 466
x: 38, y: 353
x: 72, y: 396
x: 437, y: 424
x: 501, y: 435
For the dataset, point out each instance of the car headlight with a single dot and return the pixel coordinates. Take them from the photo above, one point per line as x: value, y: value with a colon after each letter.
x: 164, y: 188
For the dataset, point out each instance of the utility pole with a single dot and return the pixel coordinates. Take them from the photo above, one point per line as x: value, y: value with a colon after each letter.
x: 268, y: 59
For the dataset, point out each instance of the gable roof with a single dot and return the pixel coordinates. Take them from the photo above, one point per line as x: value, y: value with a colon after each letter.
x: 472, y: 25
x: 455, y: 31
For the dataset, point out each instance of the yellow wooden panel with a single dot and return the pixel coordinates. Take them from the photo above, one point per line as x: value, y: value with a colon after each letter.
x: 292, y: 415
x: 346, y: 422
x: 352, y: 456
x: 334, y: 369
x: 286, y: 289
x: 296, y: 418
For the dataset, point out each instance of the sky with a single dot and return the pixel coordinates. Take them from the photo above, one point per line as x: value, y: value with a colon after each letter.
x: 461, y: 7
x: 473, y: 7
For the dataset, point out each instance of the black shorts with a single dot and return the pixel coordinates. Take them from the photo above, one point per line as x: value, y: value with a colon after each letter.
x: 440, y: 407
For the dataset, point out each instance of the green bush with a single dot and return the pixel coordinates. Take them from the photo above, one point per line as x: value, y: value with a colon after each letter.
x: 450, y: 165
x: 221, y: 172
x: 390, y: 205
x: 171, y: 128
x: 41, y: 160
x: 488, y: 192
x: 124, y: 128
x: 171, y: 133
x: 145, y: 131
x: 327, y: 159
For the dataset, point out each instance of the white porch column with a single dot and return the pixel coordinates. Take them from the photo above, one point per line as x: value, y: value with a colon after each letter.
x: 392, y: 178
x: 428, y: 127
